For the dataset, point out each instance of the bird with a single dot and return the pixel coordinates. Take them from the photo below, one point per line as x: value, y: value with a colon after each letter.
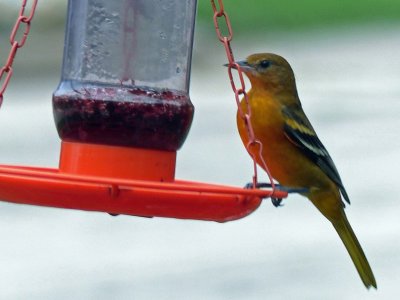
x: 292, y: 151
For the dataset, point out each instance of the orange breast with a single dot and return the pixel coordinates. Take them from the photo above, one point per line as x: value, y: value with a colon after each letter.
x: 285, y: 161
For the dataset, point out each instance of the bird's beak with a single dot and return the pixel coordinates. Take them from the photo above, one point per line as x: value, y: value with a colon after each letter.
x: 244, y: 66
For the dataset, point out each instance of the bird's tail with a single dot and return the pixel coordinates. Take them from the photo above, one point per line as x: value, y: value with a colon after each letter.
x: 352, y: 245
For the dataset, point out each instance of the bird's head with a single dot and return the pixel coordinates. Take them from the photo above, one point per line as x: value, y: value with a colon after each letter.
x: 269, y: 71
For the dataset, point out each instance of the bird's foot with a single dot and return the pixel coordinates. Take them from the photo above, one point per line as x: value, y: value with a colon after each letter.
x: 259, y: 185
x: 275, y: 201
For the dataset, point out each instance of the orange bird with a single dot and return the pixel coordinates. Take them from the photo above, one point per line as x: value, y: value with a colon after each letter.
x: 292, y: 150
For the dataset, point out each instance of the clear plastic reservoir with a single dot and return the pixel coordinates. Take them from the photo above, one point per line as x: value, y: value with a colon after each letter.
x: 125, y: 77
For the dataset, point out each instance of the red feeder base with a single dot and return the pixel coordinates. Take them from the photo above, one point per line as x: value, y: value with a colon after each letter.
x: 129, y: 181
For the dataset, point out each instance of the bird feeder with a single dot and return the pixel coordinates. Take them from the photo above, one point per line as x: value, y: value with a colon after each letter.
x: 122, y: 110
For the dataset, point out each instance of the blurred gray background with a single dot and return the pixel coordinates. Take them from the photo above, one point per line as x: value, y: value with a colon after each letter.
x: 345, y: 56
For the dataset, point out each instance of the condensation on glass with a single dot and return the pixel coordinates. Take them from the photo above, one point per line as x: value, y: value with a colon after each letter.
x: 126, y: 73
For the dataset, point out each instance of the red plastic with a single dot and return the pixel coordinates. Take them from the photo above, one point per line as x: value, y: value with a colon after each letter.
x: 117, y: 162
x: 114, y: 191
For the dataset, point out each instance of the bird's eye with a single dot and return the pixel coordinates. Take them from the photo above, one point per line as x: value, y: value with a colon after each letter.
x: 264, y: 64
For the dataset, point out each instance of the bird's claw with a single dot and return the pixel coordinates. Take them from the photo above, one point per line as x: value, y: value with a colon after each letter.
x: 277, y: 202
x: 259, y: 185
x: 248, y: 186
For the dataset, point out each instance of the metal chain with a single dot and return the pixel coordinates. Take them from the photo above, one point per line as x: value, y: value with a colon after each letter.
x: 239, y: 89
x: 7, y: 71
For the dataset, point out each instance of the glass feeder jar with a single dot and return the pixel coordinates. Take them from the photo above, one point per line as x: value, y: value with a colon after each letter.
x: 125, y: 75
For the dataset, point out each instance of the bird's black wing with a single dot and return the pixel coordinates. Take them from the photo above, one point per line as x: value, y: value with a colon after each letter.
x: 299, y: 131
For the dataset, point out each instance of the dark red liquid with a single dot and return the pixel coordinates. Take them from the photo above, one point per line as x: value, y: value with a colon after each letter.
x: 135, y: 117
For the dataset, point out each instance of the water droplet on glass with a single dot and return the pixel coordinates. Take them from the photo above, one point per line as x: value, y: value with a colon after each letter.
x: 164, y: 55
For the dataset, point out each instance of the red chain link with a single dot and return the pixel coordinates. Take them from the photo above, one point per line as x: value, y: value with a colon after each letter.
x: 239, y: 89
x: 7, y: 70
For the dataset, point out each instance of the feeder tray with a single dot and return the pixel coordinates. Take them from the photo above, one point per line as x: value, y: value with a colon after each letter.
x: 116, y: 192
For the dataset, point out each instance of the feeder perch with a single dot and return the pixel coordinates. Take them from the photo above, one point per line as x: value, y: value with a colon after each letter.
x: 122, y: 110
